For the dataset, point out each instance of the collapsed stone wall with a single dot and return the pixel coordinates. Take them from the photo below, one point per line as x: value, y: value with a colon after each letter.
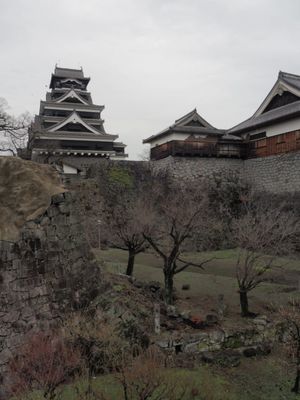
x: 48, y: 271
x: 258, y: 336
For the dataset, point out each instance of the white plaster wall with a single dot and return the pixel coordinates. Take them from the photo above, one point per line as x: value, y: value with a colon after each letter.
x: 168, y: 138
x: 69, y: 170
x: 279, y: 128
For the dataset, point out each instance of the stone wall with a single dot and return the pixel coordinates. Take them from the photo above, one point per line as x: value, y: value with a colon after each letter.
x: 276, y: 174
x: 259, y: 331
x: 192, y: 168
x: 48, y: 271
x: 224, y: 346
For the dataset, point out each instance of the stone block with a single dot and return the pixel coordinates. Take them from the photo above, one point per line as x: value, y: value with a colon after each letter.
x: 11, y: 317
x: 58, y: 198
x: 45, y: 221
x: 69, y: 197
x: 16, y: 264
x: 52, y: 211
x: 64, y: 209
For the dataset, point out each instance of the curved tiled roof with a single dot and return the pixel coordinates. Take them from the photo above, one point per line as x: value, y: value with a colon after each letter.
x: 181, y: 125
x: 69, y: 73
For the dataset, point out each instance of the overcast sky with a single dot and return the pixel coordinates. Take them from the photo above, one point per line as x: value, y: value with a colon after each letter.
x: 150, y: 61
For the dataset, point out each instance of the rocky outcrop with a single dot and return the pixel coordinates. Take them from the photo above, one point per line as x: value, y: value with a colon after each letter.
x: 25, y: 192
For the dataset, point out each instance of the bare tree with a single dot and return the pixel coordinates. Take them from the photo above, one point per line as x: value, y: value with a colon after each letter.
x: 262, y: 234
x: 125, y: 206
x: 291, y: 317
x: 179, y: 214
x: 127, y: 226
x: 13, y: 130
x: 145, y: 154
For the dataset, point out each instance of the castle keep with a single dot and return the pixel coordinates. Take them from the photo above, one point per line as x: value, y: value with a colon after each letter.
x: 69, y: 131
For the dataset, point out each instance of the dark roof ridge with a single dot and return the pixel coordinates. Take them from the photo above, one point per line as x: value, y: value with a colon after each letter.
x: 189, y: 115
x: 283, y: 74
x: 267, y: 117
x: 285, y: 106
x: 194, y: 111
x: 69, y: 69
x: 81, y: 120
x: 67, y: 92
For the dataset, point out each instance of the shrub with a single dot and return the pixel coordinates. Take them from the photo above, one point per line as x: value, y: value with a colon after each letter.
x: 44, y: 362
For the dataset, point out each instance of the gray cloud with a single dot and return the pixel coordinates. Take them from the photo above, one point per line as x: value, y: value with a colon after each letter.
x: 151, y: 61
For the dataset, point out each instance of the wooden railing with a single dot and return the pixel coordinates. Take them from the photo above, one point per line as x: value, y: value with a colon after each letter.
x: 198, y: 149
x: 280, y: 144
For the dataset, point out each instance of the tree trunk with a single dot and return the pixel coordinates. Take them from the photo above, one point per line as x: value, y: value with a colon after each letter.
x: 244, y: 303
x: 130, y: 263
x: 168, y: 288
x: 296, y: 388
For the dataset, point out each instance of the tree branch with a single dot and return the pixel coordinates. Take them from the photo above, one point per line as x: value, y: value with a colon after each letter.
x: 191, y: 264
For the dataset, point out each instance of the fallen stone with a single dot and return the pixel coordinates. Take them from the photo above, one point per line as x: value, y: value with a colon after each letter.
x: 172, y: 312
x: 211, y: 319
x: 185, y: 314
x: 138, y: 284
x: 250, y: 352
x: 58, y: 198
x: 186, y: 286
x: 217, y: 336
x: 154, y: 286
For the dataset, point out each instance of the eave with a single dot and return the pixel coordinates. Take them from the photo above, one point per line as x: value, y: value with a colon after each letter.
x: 52, y: 105
x: 79, y: 152
x: 71, y: 94
x: 279, y: 114
x: 279, y: 87
x: 73, y: 118
x: 55, y: 120
x: 75, y: 136
x: 185, y: 130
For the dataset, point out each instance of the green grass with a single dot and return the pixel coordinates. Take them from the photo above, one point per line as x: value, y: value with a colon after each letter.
x: 210, y: 385
x: 218, y: 277
x: 254, y: 379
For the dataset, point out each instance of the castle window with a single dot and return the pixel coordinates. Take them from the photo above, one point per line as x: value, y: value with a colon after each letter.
x: 257, y: 136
